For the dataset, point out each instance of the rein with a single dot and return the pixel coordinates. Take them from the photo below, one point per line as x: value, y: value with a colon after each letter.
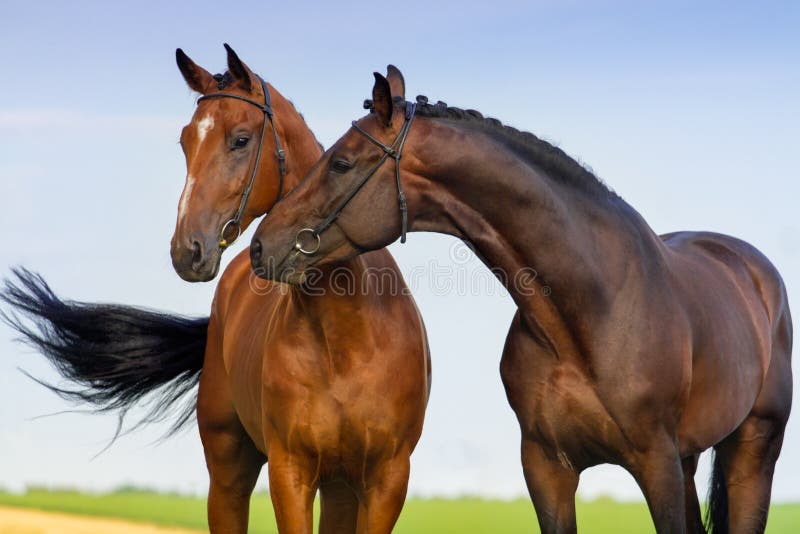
x: 394, y: 151
x: 266, y: 108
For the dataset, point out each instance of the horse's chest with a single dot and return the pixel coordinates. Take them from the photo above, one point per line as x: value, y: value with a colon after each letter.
x: 320, y: 423
x: 319, y: 413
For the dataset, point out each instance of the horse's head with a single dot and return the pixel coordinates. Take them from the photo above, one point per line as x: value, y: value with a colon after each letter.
x: 349, y: 202
x: 232, y: 174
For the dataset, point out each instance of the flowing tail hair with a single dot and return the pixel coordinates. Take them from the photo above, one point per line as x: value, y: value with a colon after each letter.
x: 113, y: 356
x: 717, y: 513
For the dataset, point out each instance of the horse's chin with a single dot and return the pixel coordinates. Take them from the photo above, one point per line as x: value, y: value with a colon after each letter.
x: 295, y: 278
x: 205, y: 274
x: 289, y: 275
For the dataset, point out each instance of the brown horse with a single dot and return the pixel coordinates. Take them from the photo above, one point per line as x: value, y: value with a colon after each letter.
x: 330, y: 382
x: 627, y: 347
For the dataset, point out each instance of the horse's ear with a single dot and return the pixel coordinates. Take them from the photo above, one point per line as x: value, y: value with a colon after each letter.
x: 382, y: 99
x: 196, y: 77
x: 239, y: 71
x: 396, y: 81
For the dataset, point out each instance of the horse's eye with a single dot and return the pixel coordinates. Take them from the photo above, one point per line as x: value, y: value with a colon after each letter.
x: 240, y: 142
x: 341, y: 166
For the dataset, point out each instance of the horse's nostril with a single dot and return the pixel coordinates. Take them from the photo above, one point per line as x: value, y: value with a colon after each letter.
x: 255, y: 251
x: 197, y: 254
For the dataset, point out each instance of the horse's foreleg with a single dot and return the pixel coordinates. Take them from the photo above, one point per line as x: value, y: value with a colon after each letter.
x: 233, y: 461
x: 552, y: 487
x: 659, y: 474
x: 338, y: 509
x: 233, y: 466
x: 292, y: 487
x: 384, y: 496
x: 550, y: 475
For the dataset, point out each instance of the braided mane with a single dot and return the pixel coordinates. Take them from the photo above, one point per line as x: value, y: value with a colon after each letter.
x: 554, y: 161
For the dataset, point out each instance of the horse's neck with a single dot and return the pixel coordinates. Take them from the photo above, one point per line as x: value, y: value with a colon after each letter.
x: 551, y: 243
x: 342, y: 297
x: 302, y: 148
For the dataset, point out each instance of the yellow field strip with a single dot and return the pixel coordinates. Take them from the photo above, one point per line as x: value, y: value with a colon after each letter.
x: 27, y: 521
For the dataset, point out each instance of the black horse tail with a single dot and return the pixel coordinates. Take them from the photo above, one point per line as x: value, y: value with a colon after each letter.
x: 717, y: 512
x: 112, y: 356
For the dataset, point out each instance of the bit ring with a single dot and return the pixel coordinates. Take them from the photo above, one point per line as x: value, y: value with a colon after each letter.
x: 299, y: 246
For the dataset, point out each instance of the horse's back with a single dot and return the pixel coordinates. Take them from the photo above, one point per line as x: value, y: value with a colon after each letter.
x: 732, y: 253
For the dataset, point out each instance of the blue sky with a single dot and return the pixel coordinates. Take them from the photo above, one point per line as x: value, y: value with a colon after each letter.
x: 689, y: 111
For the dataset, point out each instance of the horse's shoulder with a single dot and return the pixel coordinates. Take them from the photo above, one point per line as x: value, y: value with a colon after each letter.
x: 379, y: 259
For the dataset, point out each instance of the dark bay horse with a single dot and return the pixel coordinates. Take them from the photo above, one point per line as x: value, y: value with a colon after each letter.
x: 627, y: 348
x: 329, y: 382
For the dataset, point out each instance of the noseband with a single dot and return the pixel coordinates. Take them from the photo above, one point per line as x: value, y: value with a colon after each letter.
x: 394, y: 151
x: 266, y: 108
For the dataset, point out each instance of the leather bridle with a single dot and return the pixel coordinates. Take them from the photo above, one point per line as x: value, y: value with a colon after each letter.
x: 266, y: 108
x: 394, y: 151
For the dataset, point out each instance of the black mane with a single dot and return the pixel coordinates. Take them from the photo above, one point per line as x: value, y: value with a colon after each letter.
x: 549, y: 158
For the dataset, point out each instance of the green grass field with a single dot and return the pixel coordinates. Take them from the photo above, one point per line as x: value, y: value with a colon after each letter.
x: 420, y: 516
